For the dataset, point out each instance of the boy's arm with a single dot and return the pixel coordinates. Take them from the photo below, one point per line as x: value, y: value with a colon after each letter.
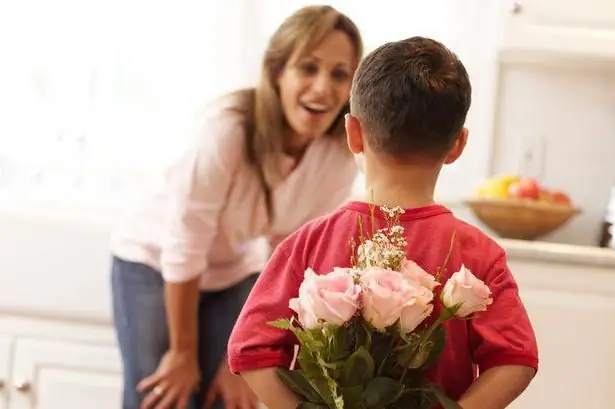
x: 256, y: 348
x: 497, y: 387
x: 271, y: 391
x: 503, y: 344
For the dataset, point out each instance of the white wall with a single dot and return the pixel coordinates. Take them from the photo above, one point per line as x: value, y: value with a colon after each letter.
x: 572, y: 109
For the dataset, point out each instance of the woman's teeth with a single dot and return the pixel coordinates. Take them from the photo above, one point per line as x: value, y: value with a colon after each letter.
x: 318, y: 108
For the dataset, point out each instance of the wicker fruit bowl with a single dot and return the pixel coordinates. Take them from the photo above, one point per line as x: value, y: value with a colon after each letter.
x: 521, y: 219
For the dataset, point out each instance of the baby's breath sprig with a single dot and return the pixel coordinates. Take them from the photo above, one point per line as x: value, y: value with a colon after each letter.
x: 386, y: 247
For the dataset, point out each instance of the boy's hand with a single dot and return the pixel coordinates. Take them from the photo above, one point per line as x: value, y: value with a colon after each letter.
x: 233, y: 390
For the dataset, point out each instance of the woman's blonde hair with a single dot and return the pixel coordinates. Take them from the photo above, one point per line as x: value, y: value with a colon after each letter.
x: 266, y: 124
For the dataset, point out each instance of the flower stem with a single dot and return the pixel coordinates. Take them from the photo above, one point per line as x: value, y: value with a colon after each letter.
x: 391, y: 345
x: 445, y: 315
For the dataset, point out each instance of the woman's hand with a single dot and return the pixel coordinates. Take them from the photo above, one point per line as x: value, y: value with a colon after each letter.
x: 233, y: 390
x: 173, y: 383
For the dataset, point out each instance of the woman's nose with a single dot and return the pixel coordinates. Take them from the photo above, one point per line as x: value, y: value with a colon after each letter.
x: 322, y: 84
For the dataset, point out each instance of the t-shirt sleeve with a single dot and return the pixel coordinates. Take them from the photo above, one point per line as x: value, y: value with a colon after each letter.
x: 198, y: 184
x: 255, y: 344
x: 503, y: 335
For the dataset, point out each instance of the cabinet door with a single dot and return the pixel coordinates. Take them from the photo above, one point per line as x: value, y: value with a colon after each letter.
x: 5, y: 369
x: 572, y: 309
x: 561, y: 26
x: 50, y: 375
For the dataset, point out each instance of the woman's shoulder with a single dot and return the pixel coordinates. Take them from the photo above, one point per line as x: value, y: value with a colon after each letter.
x: 334, y: 148
x: 221, y: 122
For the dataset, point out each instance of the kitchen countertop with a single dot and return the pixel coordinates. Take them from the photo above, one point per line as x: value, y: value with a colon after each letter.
x: 558, y: 253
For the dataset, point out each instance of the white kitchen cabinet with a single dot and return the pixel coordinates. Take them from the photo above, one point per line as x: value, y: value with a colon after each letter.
x: 550, y: 28
x: 5, y: 368
x: 50, y: 374
x: 58, y: 363
x: 572, y: 308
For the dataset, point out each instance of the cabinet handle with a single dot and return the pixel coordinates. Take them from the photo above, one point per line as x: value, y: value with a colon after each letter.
x: 22, y: 386
x: 517, y: 6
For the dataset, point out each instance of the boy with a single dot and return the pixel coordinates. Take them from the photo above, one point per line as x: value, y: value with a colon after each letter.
x: 409, y: 102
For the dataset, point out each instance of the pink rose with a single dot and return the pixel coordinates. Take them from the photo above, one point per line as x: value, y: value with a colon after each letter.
x: 332, y: 298
x: 385, y: 294
x: 465, y: 289
x: 416, y: 310
x: 414, y: 272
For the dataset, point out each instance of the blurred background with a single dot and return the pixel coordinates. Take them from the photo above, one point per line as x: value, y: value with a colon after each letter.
x: 85, y: 85
x: 92, y: 94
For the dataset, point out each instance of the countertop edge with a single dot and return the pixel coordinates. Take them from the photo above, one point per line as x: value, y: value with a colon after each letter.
x: 558, y: 253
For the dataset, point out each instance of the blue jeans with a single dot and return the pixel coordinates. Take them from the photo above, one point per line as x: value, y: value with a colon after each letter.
x: 142, y: 333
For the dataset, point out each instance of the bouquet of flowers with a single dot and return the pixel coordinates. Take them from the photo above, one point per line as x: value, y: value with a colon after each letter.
x: 363, y: 339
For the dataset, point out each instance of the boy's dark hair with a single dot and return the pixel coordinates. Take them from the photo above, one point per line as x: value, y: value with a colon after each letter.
x: 412, y: 97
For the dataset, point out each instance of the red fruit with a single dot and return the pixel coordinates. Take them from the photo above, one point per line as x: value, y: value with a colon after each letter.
x: 545, y: 196
x: 560, y: 197
x: 525, y: 188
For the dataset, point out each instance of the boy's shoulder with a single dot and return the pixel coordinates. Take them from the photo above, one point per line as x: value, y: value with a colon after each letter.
x: 473, y: 236
x: 318, y: 238
x: 346, y: 218
x: 477, y: 250
x: 325, y: 240
x: 316, y: 228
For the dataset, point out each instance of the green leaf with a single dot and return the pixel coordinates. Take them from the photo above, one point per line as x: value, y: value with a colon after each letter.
x: 381, y: 345
x: 445, y: 401
x: 282, y: 323
x: 410, y: 399
x: 358, y: 368
x: 340, y: 345
x: 312, y: 370
x: 299, y: 384
x: 439, y: 342
x: 381, y: 392
x: 308, y: 362
x: 363, y: 335
x: 335, y: 368
x: 311, y: 405
x: 333, y: 395
x: 315, y: 337
x: 406, y: 352
x: 421, y: 353
x: 353, y: 397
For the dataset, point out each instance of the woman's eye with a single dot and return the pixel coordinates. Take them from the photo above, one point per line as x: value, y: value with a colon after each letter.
x: 340, y: 75
x: 309, y: 69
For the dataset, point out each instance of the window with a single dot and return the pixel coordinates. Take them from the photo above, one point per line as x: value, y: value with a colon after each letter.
x: 93, y: 91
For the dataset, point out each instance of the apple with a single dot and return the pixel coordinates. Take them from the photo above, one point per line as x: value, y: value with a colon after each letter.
x: 560, y: 197
x: 525, y: 188
x: 545, y: 196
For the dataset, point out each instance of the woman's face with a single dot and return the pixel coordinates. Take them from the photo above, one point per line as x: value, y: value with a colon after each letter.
x: 313, y: 89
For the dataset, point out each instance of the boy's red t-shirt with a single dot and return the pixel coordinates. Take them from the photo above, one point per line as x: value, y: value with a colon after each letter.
x: 503, y: 335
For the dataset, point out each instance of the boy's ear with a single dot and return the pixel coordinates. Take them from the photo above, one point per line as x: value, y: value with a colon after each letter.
x: 457, y: 149
x: 354, y: 134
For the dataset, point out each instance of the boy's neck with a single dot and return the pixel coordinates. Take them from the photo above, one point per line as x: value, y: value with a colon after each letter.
x: 404, y: 187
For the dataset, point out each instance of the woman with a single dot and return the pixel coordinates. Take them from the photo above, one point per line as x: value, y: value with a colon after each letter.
x: 266, y: 161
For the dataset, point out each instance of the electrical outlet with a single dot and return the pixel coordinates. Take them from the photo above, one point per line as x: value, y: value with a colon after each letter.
x: 533, y: 155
